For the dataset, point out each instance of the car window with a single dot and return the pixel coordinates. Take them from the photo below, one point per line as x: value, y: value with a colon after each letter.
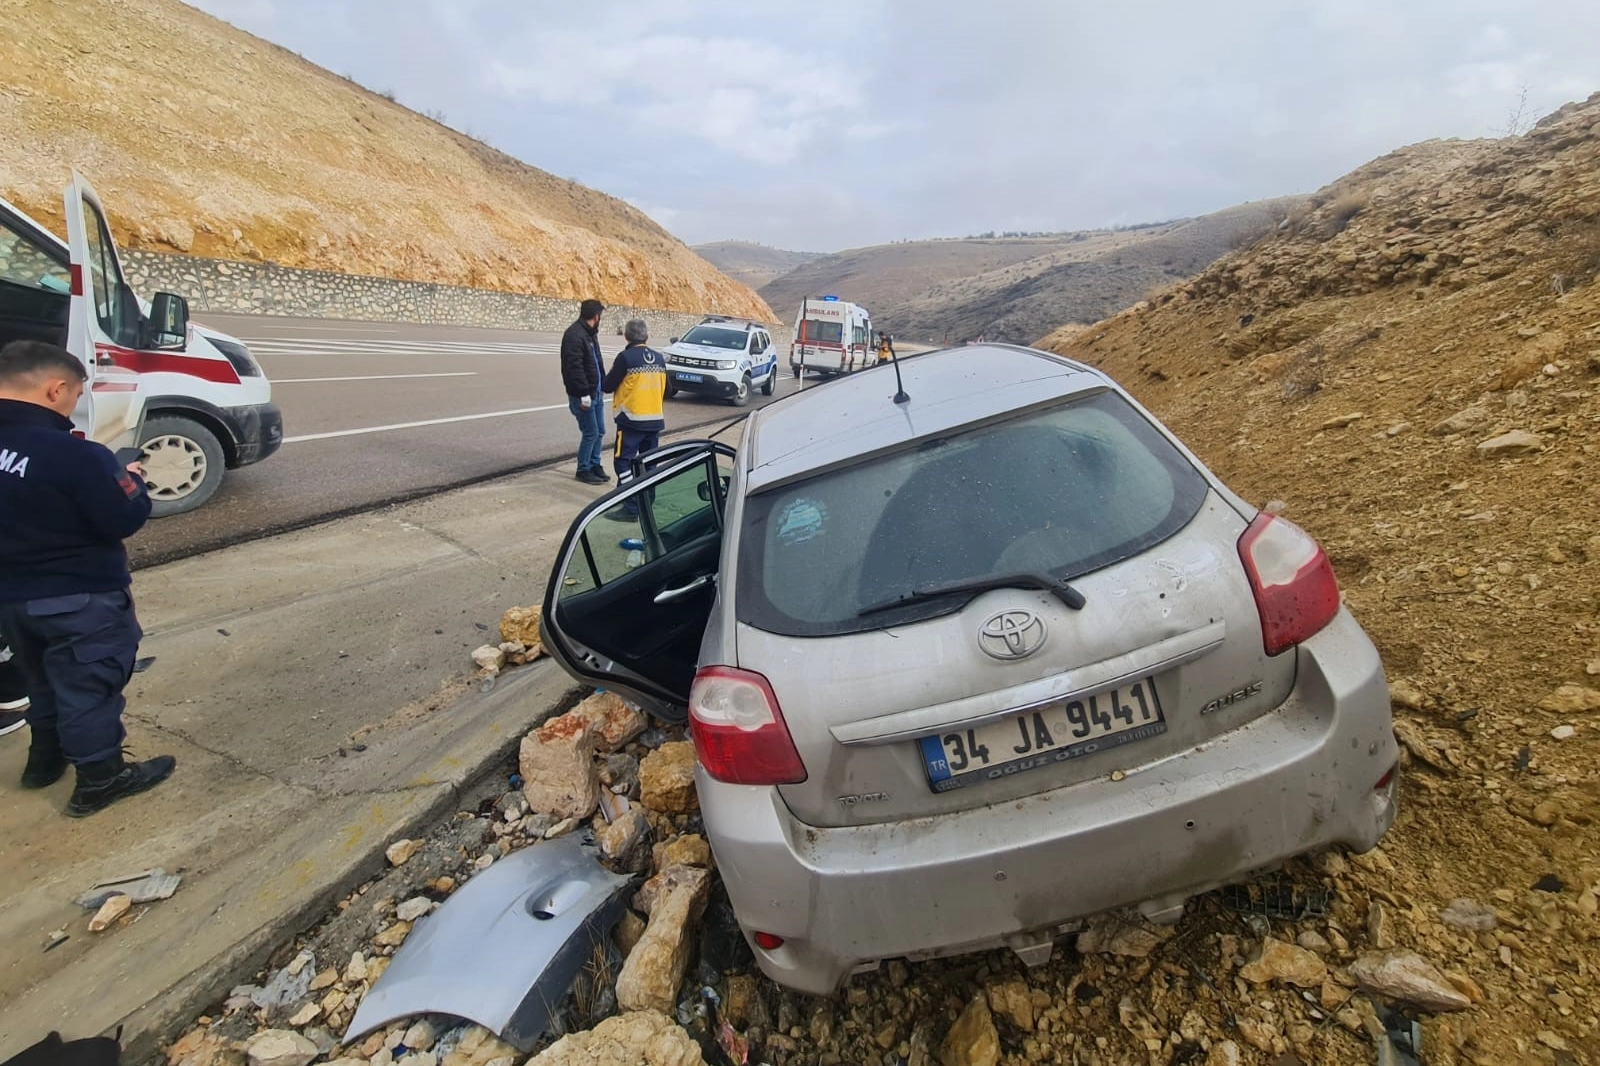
x: 645, y: 526
x: 814, y: 331
x: 715, y: 337
x: 23, y: 262
x: 104, y: 277
x: 1063, y: 492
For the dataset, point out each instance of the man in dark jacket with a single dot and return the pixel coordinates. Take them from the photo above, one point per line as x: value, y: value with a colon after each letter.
x: 581, y: 373
x: 65, y: 609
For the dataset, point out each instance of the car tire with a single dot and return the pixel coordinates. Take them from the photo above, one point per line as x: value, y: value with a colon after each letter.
x: 795, y: 371
x: 742, y: 396
x: 772, y: 380
x: 672, y: 390
x: 185, y: 465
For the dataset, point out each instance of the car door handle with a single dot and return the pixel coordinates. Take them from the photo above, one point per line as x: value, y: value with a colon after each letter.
x: 668, y: 595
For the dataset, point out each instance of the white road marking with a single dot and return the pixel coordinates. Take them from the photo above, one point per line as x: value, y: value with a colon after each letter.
x: 377, y: 377
x: 425, y: 422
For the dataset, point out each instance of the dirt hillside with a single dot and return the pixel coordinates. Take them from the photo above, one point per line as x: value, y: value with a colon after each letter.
x: 206, y: 140
x: 1016, y: 288
x: 752, y: 264
x: 1411, y: 368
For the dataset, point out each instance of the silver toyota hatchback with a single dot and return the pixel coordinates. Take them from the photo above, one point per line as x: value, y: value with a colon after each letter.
x: 966, y: 669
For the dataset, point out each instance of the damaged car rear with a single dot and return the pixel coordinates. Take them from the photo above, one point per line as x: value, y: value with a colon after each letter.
x: 965, y: 670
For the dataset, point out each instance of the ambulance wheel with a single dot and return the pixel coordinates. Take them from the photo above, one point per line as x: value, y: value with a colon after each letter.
x: 772, y: 379
x: 742, y: 397
x: 185, y: 464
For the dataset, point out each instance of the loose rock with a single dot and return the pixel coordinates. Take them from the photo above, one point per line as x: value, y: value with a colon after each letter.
x: 641, y: 1038
x: 622, y: 842
x: 1285, y: 963
x: 489, y: 658
x: 1470, y: 915
x: 613, y: 721
x: 414, y: 908
x: 666, y: 779
x: 1407, y: 976
x: 1572, y: 699
x: 280, y: 1047
x: 688, y: 850
x: 1013, y: 1000
x: 557, y: 766
x: 520, y: 625
x: 400, y: 852
x: 972, y: 1040
x: 1517, y: 442
x: 109, y: 912
x: 650, y: 978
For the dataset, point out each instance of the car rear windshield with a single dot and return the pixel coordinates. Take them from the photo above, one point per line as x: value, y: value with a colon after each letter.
x: 715, y: 337
x: 815, y: 332
x: 1061, y: 493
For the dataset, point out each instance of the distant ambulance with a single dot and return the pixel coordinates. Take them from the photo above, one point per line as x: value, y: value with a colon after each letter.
x: 831, y: 336
x: 193, y: 399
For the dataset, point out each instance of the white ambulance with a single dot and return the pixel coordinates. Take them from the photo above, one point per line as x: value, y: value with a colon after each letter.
x: 831, y: 336
x: 193, y: 399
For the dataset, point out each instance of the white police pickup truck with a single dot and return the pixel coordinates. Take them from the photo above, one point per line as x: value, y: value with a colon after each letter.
x: 727, y: 357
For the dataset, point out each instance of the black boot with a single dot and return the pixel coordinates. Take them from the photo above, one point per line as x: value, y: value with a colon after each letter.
x: 101, y: 784
x: 46, y: 763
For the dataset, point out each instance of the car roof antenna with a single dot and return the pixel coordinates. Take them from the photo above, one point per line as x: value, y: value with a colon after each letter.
x: 900, y: 396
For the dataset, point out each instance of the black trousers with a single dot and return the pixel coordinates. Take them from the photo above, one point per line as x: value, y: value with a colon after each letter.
x: 75, y: 654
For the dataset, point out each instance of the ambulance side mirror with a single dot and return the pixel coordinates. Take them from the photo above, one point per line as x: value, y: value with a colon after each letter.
x: 169, y: 321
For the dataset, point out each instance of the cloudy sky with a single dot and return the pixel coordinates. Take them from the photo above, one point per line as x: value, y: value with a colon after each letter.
x: 837, y: 123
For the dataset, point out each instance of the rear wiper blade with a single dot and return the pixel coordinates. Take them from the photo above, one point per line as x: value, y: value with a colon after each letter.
x: 1061, y: 590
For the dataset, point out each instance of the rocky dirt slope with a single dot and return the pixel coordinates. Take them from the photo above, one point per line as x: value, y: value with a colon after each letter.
x: 1412, y: 369
x: 208, y: 141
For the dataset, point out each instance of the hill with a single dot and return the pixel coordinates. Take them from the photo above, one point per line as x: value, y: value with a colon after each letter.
x: 1018, y: 288
x: 208, y: 141
x: 1411, y: 367
x: 752, y: 264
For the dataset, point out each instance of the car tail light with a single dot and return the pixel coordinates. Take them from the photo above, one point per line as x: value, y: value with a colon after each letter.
x: 769, y: 941
x: 739, y: 735
x: 1293, y: 582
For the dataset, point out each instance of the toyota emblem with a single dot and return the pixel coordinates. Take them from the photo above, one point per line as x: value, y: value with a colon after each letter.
x: 1011, y: 634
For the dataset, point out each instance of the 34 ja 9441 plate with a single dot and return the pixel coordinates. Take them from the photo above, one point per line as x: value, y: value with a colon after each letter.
x: 1043, y: 736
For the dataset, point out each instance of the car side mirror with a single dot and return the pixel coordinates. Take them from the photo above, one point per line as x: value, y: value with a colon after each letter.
x: 169, y: 321
x: 703, y: 490
x: 673, y: 341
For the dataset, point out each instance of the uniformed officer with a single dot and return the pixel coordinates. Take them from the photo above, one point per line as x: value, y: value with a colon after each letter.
x: 65, y: 609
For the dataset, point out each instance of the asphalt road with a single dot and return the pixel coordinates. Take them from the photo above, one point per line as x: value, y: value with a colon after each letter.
x: 376, y: 413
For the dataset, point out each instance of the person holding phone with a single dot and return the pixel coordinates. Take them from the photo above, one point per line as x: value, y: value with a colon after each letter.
x: 66, y: 609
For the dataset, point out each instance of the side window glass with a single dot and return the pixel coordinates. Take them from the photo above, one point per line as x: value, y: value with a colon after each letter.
x: 105, y: 280
x: 22, y: 262
x: 644, y: 526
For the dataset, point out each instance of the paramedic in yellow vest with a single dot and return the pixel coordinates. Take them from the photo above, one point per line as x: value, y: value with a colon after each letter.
x: 638, y: 380
x: 885, y: 347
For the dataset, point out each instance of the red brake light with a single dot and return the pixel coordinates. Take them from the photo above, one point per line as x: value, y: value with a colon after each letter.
x: 739, y: 734
x: 1292, y: 580
x: 769, y: 941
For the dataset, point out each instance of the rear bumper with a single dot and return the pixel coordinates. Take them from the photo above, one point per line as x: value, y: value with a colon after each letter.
x: 257, y: 431
x: 1296, y: 780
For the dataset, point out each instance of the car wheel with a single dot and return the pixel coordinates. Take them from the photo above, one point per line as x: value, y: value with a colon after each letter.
x: 672, y: 390
x: 767, y: 385
x: 184, y: 467
x: 795, y: 371
x: 742, y: 397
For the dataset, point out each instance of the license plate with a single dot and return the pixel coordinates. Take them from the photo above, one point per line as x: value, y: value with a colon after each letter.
x: 1044, y: 736
x: 681, y: 376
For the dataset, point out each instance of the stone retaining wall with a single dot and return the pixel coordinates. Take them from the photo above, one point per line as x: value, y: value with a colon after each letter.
x: 219, y: 285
